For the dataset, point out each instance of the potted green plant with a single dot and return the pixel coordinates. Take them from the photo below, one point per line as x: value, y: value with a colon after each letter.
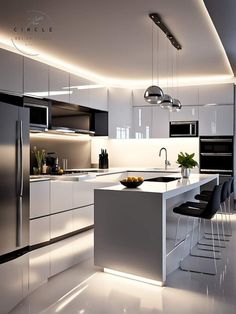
x: 186, y: 162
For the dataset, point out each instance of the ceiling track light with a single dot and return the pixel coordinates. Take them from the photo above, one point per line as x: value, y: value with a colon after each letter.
x: 157, y: 20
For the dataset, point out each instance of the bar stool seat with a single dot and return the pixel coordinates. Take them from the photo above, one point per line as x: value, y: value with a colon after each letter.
x: 202, y: 211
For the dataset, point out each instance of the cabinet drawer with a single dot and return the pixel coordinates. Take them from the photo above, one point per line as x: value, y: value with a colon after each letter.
x: 61, y: 224
x: 61, y: 196
x: 39, y: 199
x: 83, y: 217
x: 38, y: 267
x: 39, y: 230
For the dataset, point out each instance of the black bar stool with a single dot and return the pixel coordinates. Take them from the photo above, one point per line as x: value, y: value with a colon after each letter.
x: 225, y: 194
x: 201, y: 211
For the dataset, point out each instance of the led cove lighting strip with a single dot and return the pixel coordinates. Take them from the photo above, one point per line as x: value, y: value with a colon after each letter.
x: 133, y: 277
x: 6, y: 43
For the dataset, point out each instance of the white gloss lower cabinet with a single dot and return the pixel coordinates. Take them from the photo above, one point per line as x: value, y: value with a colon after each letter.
x: 61, y: 224
x: 13, y: 283
x: 61, y: 196
x: 61, y: 256
x: 39, y: 198
x: 83, y: 217
x: 216, y: 120
x: 39, y: 230
x: 39, y: 267
x: 82, y: 193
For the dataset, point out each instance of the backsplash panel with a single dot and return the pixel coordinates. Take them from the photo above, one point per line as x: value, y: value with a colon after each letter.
x: 77, y: 152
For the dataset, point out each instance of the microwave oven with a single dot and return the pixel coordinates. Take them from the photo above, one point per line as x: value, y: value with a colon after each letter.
x: 183, y: 129
x: 39, y: 113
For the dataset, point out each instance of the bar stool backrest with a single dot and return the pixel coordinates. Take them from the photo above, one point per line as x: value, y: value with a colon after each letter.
x: 224, y: 192
x: 214, y: 203
x: 232, y: 185
x: 229, y: 186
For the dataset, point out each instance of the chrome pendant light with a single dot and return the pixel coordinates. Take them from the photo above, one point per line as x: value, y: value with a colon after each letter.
x: 176, y: 105
x: 167, y: 102
x: 153, y: 94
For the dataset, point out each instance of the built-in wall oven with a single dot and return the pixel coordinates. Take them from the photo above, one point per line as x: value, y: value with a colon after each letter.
x: 216, y: 155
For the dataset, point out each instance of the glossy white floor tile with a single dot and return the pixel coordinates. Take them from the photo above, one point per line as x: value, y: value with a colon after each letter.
x: 83, y: 289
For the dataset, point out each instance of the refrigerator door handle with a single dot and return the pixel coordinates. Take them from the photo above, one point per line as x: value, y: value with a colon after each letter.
x: 20, y: 182
x: 19, y: 221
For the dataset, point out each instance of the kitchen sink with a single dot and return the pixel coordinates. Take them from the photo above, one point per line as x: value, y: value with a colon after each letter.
x: 163, y: 179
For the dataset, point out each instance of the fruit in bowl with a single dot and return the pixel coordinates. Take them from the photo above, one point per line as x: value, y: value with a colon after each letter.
x: 132, y: 182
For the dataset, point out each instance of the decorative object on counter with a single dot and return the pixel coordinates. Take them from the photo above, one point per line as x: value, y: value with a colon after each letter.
x: 52, y: 162
x: 103, y: 159
x: 64, y: 164
x: 40, y: 159
x: 132, y: 182
x: 186, y: 162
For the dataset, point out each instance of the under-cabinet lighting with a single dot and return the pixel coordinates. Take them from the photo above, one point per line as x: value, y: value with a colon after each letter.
x: 92, y: 86
x: 48, y: 94
x: 133, y: 277
x: 75, y: 137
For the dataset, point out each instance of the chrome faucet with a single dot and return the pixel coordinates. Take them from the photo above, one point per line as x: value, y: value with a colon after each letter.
x: 167, y: 163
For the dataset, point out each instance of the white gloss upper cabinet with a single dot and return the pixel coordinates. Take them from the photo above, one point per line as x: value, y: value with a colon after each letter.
x: 220, y: 94
x: 160, y: 123
x: 138, y: 97
x: 79, y: 91
x: 87, y: 93
x: 187, y: 113
x: 142, y: 122
x: 120, y: 113
x: 35, y: 78
x: 216, y: 120
x: 188, y: 95
x: 59, y: 85
x: 11, y: 68
x: 150, y: 122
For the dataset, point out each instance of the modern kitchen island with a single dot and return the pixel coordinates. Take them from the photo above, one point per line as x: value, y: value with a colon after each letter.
x: 135, y: 228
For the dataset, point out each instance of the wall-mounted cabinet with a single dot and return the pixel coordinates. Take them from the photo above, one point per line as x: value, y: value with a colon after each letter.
x: 160, y: 123
x: 11, y: 68
x: 187, y: 113
x: 59, y: 85
x: 216, y: 120
x: 220, y: 94
x: 142, y: 122
x: 188, y: 95
x: 150, y: 122
x: 120, y: 113
x: 36, y: 81
x: 87, y: 93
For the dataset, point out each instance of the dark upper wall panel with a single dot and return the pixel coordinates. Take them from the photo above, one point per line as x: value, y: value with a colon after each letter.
x: 222, y: 13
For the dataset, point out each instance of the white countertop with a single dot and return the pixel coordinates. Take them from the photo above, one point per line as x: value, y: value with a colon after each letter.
x: 95, y: 172
x: 169, y: 189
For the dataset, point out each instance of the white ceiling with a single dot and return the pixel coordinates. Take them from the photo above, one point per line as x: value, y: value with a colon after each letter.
x: 112, y: 39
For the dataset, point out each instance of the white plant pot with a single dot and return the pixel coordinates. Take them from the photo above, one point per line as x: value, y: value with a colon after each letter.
x: 185, y: 172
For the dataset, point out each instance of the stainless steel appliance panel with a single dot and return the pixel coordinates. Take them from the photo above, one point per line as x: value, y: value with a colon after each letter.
x: 24, y: 117
x: 183, y: 128
x: 13, y: 225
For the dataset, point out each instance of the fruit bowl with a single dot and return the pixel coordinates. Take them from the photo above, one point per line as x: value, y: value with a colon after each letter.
x: 132, y: 182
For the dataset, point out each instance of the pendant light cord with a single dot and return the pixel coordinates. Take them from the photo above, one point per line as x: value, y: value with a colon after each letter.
x: 158, y: 58
x: 152, y: 53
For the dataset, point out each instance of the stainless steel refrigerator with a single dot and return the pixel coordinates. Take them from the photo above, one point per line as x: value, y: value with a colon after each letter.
x: 14, y: 203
